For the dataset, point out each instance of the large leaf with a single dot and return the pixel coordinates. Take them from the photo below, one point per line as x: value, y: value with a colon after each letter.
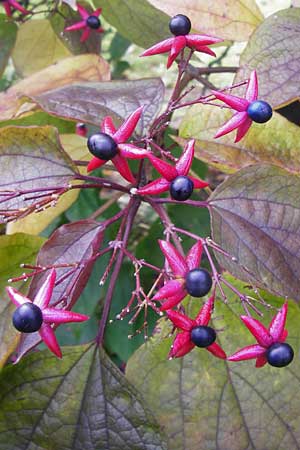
x: 14, y: 250
x: 81, y: 402
x: 255, y: 217
x: 8, y: 34
x: 72, y: 39
x: 76, y: 148
x: 274, y: 52
x: 229, y: 20
x: 31, y: 158
x: 37, y: 47
x: 276, y: 142
x: 137, y: 21
x: 206, y: 403
x: 68, y: 71
x: 76, y: 242
x: 90, y: 102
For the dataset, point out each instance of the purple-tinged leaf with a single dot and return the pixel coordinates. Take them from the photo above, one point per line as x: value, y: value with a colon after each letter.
x: 76, y: 242
x: 273, y: 50
x: 256, y: 218
x: 91, y: 102
x: 31, y: 158
x: 80, y: 402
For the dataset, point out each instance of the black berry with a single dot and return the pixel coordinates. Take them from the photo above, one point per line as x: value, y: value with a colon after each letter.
x: 203, y: 336
x: 102, y: 146
x: 180, y: 25
x: 260, y: 111
x: 93, y: 22
x: 181, y: 188
x: 198, y: 282
x: 280, y: 354
x: 27, y: 318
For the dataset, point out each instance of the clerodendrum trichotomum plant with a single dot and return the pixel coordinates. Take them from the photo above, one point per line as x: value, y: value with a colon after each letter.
x: 154, y: 238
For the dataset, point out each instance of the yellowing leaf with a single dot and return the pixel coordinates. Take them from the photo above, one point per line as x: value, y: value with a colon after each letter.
x: 76, y: 148
x: 273, y: 50
x: 68, y: 71
x: 275, y: 142
x: 37, y: 47
x: 229, y: 20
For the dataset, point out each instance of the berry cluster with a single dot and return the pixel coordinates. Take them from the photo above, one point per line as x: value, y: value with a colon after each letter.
x: 182, y: 275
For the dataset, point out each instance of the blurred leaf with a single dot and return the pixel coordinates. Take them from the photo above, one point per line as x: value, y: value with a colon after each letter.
x: 76, y: 242
x: 274, y: 52
x: 137, y: 21
x: 71, y: 39
x: 83, y: 401
x: 37, y: 47
x: 30, y: 156
x: 256, y: 218
x: 206, y: 403
x: 40, y: 119
x: 118, y: 46
x: 229, y: 20
x: 90, y: 102
x: 8, y: 34
x: 70, y: 70
x: 14, y: 250
x: 275, y: 142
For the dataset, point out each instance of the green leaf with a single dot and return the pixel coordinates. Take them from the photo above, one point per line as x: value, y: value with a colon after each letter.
x: 274, y: 52
x: 90, y: 102
x: 14, y: 250
x: 31, y: 158
x: 206, y: 403
x: 137, y: 21
x: 81, y: 402
x: 229, y: 20
x: 275, y: 142
x: 71, y: 39
x: 255, y: 217
x: 37, y: 47
x: 8, y: 34
x: 76, y: 242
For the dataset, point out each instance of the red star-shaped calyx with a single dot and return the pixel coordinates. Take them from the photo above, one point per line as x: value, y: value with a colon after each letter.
x: 36, y: 315
x: 183, y: 342
x: 123, y: 150
x: 10, y: 5
x: 182, y: 39
x: 176, y: 289
x: 170, y: 173
x: 248, y: 109
x: 90, y: 22
x: 266, y: 338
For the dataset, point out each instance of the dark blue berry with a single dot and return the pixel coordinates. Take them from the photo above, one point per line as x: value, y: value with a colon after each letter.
x: 102, y: 146
x: 198, y: 282
x: 260, y: 111
x: 181, y: 188
x: 27, y: 318
x: 180, y: 25
x: 203, y: 336
x: 280, y: 354
x: 93, y: 22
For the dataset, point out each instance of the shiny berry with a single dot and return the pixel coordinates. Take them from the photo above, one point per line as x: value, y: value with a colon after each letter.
x: 260, y: 111
x: 198, y: 282
x: 181, y: 188
x: 27, y: 318
x: 203, y: 336
x: 280, y: 354
x: 102, y: 146
x: 93, y: 22
x: 180, y: 25
x: 81, y: 129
